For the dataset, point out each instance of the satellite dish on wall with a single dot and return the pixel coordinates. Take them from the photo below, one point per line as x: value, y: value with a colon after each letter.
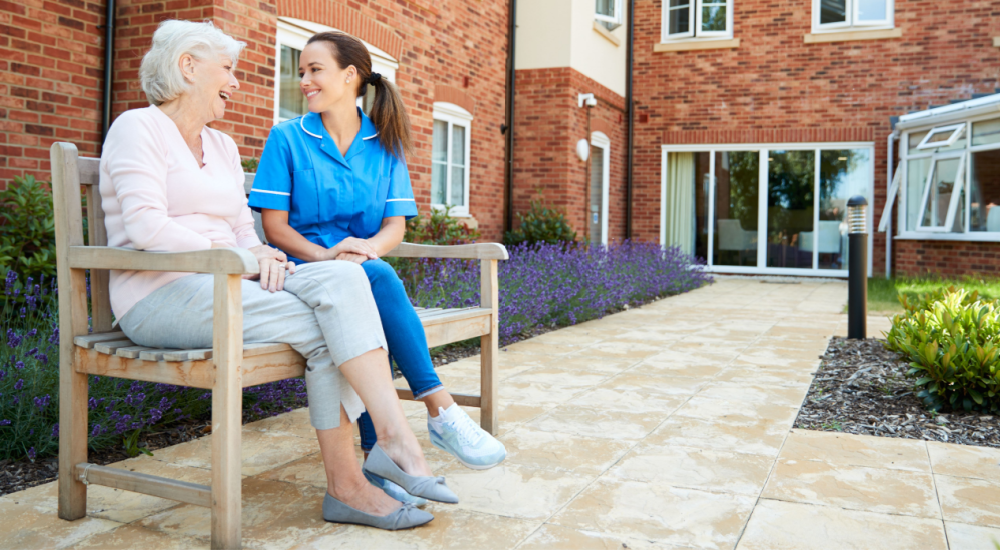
x: 583, y: 149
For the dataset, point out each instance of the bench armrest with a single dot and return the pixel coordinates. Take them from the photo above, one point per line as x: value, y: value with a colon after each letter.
x: 481, y: 251
x: 230, y: 261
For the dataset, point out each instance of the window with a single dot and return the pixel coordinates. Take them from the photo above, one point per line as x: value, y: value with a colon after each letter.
x: 292, y: 37
x: 609, y: 13
x: 847, y: 14
x: 450, y: 158
x: 697, y: 19
x: 949, y: 182
x: 775, y: 208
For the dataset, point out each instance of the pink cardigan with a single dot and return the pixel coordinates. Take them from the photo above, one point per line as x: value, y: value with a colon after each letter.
x: 156, y: 198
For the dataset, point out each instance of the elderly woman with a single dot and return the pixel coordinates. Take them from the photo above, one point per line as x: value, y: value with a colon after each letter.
x: 169, y: 183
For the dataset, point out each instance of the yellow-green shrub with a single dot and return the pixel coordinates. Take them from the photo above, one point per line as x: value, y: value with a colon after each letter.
x: 950, y: 338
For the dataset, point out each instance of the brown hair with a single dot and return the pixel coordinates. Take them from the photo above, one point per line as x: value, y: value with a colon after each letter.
x: 387, y: 112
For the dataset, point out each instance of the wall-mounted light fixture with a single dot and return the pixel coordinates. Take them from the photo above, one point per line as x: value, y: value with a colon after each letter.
x: 583, y: 149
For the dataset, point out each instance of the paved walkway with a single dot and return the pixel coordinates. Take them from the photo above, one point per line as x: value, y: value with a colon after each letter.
x: 662, y: 427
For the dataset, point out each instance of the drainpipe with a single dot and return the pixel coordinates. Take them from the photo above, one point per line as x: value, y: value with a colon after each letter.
x: 890, y: 156
x: 508, y: 127
x: 588, y: 100
x: 109, y: 50
x: 629, y: 105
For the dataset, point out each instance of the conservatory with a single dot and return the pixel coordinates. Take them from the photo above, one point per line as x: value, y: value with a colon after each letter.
x: 947, y: 183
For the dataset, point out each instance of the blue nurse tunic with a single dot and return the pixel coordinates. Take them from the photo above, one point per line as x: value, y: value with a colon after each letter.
x: 334, y: 196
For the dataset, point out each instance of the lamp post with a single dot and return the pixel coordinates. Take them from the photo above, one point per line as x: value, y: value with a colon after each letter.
x: 857, y: 285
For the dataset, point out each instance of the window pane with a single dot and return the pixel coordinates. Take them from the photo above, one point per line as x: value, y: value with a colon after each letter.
x: 942, y: 185
x: 790, y: 181
x: 291, y: 101
x: 440, y: 150
x: 737, y: 188
x: 984, y: 182
x: 916, y: 178
x: 871, y: 10
x: 606, y: 7
x: 457, y: 186
x: 458, y: 145
x: 713, y: 16
x: 842, y: 175
x: 915, y: 139
x: 680, y: 17
x: 938, y: 136
x: 987, y: 131
x: 439, y: 173
x: 832, y: 11
x: 596, y: 209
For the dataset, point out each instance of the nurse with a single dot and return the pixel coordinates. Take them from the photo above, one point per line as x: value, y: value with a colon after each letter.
x: 337, y: 176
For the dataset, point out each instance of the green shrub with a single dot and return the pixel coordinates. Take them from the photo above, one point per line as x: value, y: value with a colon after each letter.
x: 439, y: 227
x: 27, y: 229
x: 541, y: 224
x: 950, y: 338
x: 249, y: 165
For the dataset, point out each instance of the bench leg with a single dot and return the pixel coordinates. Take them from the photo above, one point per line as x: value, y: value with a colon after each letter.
x: 227, y: 404
x: 72, y: 395
x: 489, y: 344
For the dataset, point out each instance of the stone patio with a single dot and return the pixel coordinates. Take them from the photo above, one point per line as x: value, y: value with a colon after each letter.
x: 662, y: 427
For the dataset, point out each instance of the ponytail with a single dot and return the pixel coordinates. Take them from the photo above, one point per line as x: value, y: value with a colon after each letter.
x: 388, y: 112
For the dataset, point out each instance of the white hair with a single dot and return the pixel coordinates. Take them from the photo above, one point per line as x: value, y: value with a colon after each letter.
x: 160, y: 73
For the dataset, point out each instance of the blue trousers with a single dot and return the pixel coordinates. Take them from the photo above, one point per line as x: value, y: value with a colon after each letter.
x: 405, y: 336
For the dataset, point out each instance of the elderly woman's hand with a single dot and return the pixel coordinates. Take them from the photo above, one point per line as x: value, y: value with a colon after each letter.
x: 273, y: 264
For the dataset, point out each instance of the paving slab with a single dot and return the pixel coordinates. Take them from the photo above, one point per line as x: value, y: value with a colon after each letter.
x: 662, y: 427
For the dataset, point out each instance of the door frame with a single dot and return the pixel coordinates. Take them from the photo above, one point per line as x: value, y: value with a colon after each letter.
x: 600, y: 139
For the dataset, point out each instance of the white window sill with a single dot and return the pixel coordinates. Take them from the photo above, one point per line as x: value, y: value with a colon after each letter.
x: 977, y: 236
x: 454, y: 213
x: 850, y: 35
x: 689, y: 45
x: 601, y: 30
x: 996, y: 41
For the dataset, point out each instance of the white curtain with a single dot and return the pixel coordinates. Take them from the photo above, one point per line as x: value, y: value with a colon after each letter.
x: 680, y: 201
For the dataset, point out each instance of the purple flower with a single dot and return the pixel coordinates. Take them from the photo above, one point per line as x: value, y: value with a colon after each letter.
x: 55, y: 431
x: 42, y: 358
x: 42, y: 402
x: 96, y: 431
x: 19, y: 384
x: 4, y: 422
x: 13, y: 339
x: 54, y: 338
x: 19, y: 365
x: 31, y: 453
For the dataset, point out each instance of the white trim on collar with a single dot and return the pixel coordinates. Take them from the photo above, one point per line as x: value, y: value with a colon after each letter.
x: 302, y: 125
x: 370, y: 137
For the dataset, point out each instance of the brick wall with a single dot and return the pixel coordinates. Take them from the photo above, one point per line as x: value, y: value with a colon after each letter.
x: 547, y: 126
x: 51, y: 69
x: 946, y: 258
x: 50, y: 74
x: 774, y: 85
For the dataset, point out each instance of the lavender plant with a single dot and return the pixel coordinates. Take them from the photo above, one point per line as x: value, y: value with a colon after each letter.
x: 559, y: 284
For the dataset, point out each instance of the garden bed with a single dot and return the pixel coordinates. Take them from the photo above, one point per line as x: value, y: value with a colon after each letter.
x: 862, y: 388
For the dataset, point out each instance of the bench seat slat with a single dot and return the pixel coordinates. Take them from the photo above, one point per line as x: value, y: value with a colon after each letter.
x: 111, y: 347
x: 88, y: 341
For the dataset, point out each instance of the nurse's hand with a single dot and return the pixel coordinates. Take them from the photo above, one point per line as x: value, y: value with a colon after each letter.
x: 356, y: 258
x: 351, y: 245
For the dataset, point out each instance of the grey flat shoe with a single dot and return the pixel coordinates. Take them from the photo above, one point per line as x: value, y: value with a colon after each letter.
x: 429, y: 487
x: 405, y: 518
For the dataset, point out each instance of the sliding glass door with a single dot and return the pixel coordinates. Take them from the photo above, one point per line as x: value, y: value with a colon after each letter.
x: 765, y: 208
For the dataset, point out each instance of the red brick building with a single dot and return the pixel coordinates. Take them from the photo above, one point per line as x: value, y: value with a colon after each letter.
x: 448, y: 58
x: 790, y: 106
x: 754, y: 121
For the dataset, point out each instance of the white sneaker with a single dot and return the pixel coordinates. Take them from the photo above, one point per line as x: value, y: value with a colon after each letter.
x: 454, y: 432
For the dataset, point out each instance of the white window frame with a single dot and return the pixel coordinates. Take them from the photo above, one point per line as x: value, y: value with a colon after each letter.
x: 926, y: 234
x: 615, y: 19
x: 762, y: 213
x: 956, y: 132
x: 294, y: 33
x: 455, y: 115
x: 600, y: 139
x: 853, y: 22
x: 694, y: 22
x: 955, y: 193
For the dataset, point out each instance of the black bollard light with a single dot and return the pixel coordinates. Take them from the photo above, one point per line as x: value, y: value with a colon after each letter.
x: 857, y: 284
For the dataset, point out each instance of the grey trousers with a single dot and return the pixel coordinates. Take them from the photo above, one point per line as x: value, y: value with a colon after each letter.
x: 326, y: 313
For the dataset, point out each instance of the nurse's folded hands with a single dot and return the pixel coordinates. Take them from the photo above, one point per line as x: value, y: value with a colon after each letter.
x: 353, y: 245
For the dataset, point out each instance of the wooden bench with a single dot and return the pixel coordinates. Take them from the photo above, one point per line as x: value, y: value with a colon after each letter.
x: 226, y: 368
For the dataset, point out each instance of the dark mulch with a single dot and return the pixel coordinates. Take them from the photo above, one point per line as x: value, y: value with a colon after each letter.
x: 862, y: 388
